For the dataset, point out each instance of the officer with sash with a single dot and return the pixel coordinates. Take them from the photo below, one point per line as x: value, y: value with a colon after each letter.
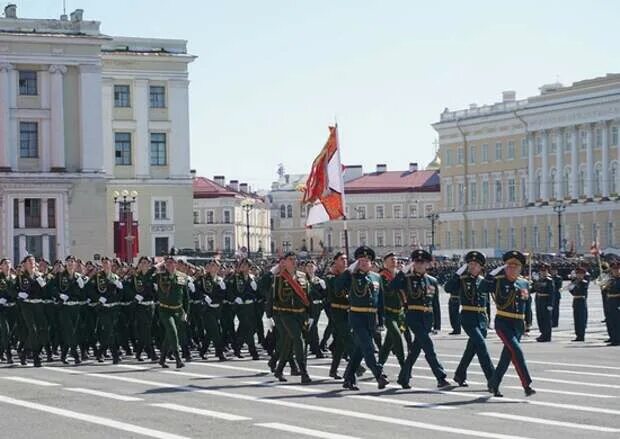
x: 510, y: 292
x: 366, y: 306
x: 578, y: 288
x: 466, y: 283
x: 544, y: 289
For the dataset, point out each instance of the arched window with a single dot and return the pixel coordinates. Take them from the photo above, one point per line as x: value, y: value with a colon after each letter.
x: 598, y: 175
x: 582, y: 182
x: 613, y: 178
x: 283, y: 211
x: 537, y: 189
x: 289, y: 211
x: 566, y: 182
x: 552, y: 181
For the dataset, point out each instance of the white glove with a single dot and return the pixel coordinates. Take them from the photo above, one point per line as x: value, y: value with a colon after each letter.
x: 63, y: 297
x: 184, y: 317
x: 118, y: 284
x: 22, y: 295
x: 353, y: 267
x: 253, y: 285
x: 275, y: 270
x: 407, y: 268
x: 103, y: 300
x: 80, y: 282
x: 322, y: 284
x: 535, y: 276
x: 270, y: 324
x: 497, y: 270
x: 238, y: 301
x: 571, y: 287
x: 222, y: 284
x: 40, y: 281
x: 310, y: 322
x: 155, y: 287
x: 208, y: 300
x: 191, y: 286
x: 139, y: 298
x: 461, y: 270
x: 2, y: 301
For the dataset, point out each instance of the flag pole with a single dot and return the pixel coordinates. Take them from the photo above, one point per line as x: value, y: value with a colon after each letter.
x: 344, y: 203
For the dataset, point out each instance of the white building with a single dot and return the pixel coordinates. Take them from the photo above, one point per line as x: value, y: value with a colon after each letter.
x: 82, y: 115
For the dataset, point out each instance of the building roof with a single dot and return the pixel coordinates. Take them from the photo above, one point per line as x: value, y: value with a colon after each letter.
x: 394, y: 181
x: 207, y: 188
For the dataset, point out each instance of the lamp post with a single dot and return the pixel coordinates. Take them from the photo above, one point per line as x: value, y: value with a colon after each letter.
x: 433, y: 217
x: 559, y: 208
x: 125, y: 199
x: 248, y: 204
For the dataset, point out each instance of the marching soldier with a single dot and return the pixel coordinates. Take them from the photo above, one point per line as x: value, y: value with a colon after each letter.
x: 510, y: 292
x: 611, y: 289
x: 454, y: 305
x: 578, y: 288
x: 393, y: 310
x: 544, y: 288
x: 141, y: 289
x: 318, y: 289
x: 244, y: 289
x: 365, y: 300
x: 173, y: 309
x: 421, y: 290
x: 7, y: 307
x: 213, y: 288
x: 466, y: 283
x: 557, y: 296
x: 338, y: 300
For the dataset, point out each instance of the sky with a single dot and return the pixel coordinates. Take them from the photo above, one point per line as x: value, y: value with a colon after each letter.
x: 271, y: 75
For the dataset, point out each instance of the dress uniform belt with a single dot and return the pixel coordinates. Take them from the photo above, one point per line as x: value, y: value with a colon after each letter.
x: 394, y: 310
x: 73, y: 303
x: 214, y: 305
x: 148, y: 302
x: 580, y: 297
x: 362, y: 309
x: 510, y: 315
x: 542, y: 295
x: 196, y: 302
x: 295, y: 310
x: 469, y: 308
x: 163, y: 305
x: 110, y: 305
x: 33, y: 301
x: 317, y: 302
x: 125, y: 303
x: 48, y: 302
x: 248, y: 302
x: 613, y: 296
x: 8, y: 305
x: 340, y: 306
x: 420, y: 308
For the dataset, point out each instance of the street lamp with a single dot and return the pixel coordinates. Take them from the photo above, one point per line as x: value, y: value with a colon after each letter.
x: 125, y: 199
x: 247, y: 204
x: 559, y: 207
x: 433, y: 217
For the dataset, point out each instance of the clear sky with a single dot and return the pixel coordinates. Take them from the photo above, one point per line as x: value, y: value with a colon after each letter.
x: 272, y: 74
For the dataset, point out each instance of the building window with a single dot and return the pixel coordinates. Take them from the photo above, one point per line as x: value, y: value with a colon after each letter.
x: 209, y: 217
x: 511, y: 238
x: 459, y: 156
x: 524, y: 148
x: 379, y: 212
x: 472, y: 239
x: 613, y: 175
x: 363, y: 237
x: 398, y: 238
x: 552, y: 188
x: 599, y: 138
x: 566, y: 182
x: 289, y: 211
x: 121, y: 96
x: 498, y: 238
x: 498, y: 151
x: 32, y: 213
x: 485, y: 194
x: 461, y: 194
x: 158, y: 149
x: 536, y: 238
x: 27, y: 83
x: 28, y: 140
x: 583, y: 139
x: 448, y: 239
x: 598, y: 175
x: 449, y: 157
x: 413, y: 238
x: 472, y: 193
x: 227, y: 243
x: 524, y: 236
x: 582, y: 182
x: 361, y: 212
x: 161, y: 210
x: 498, y: 191
x: 157, y: 96
x: 397, y: 210
x: 485, y: 238
x: 485, y: 153
x: 122, y: 149
x: 413, y: 208
x: 196, y: 217
x: 549, y: 237
x: 614, y: 136
x: 512, y: 192
x: 472, y: 154
x: 511, y: 150
x: 51, y: 213
x: 461, y: 239
x: 380, y: 239
x: 227, y: 216
x: 282, y: 211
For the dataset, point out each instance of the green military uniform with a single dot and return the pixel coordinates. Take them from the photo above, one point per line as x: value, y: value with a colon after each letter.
x: 579, y: 290
x: 611, y: 290
x: 213, y: 290
x: 105, y: 290
x: 7, y: 307
x: 544, y: 289
x: 173, y: 309
x: 244, y: 295
x: 140, y: 288
x: 32, y: 294
x: 125, y: 319
x: 338, y: 300
x: 68, y: 289
x: 394, y: 320
x: 318, y: 292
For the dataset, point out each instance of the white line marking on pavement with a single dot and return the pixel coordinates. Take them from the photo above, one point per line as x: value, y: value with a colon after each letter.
x: 131, y: 366
x: 547, y: 363
x: 31, y: 381
x: 593, y: 374
x: 189, y: 374
x: 561, y: 392
x: 103, y: 394
x: 110, y: 423
x: 551, y: 422
x: 66, y: 370
x: 201, y: 412
x: 305, y: 431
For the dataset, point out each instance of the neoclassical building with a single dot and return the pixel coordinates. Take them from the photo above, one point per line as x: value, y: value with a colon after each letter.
x: 508, y: 168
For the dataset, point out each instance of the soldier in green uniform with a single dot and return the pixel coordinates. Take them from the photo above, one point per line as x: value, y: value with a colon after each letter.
x: 466, y: 283
x: 393, y: 310
x: 87, y: 332
x: 7, y: 305
x: 318, y: 290
x: 421, y: 289
x: 338, y: 300
x: 68, y: 289
x: 288, y: 305
x: 212, y: 287
x: 611, y: 289
x: 544, y: 288
x: 32, y: 293
x: 510, y: 292
x: 140, y: 288
x: 173, y: 309
x: 557, y: 296
x: 579, y: 290
x: 244, y: 289
x: 105, y: 290
x: 51, y: 307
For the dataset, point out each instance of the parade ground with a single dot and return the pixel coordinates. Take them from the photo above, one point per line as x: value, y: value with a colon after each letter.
x: 578, y: 387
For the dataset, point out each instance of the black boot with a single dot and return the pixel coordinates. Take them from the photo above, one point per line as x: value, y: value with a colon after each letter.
x: 63, y: 356
x: 279, y: 375
x: 177, y: 357
x: 220, y: 355
x: 187, y: 355
x: 99, y: 355
x: 162, y: 360
x: 36, y: 359
x: 74, y: 354
x: 9, y: 356
x: 254, y: 354
x: 152, y: 355
x: 84, y: 352
x: 333, y: 372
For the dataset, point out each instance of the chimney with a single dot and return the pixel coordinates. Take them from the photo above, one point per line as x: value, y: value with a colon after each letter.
x: 352, y: 172
x: 77, y: 15
x: 413, y: 167
x: 509, y: 96
x: 10, y: 11
x: 193, y: 173
x: 244, y: 188
x: 234, y: 185
x: 220, y: 179
x: 473, y: 106
x: 381, y: 168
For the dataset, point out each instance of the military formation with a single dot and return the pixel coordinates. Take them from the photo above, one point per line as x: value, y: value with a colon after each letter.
x: 172, y: 311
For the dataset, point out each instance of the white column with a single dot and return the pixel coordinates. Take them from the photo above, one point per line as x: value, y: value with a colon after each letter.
x: 531, y: 174
x: 44, y: 223
x: 5, y: 139
x: 91, y: 148
x: 21, y: 213
x: 559, y: 164
x: 178, y: 142
x: 46, y: 246
x: 57, y: 117
x: 574, y: 163
x: 108, y: 134
x: 605, y: 159
x: 22, y: 248
x: 544, y: 190
x: 44, y: 145
x: 589, y: 163
x: 141, y: 140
